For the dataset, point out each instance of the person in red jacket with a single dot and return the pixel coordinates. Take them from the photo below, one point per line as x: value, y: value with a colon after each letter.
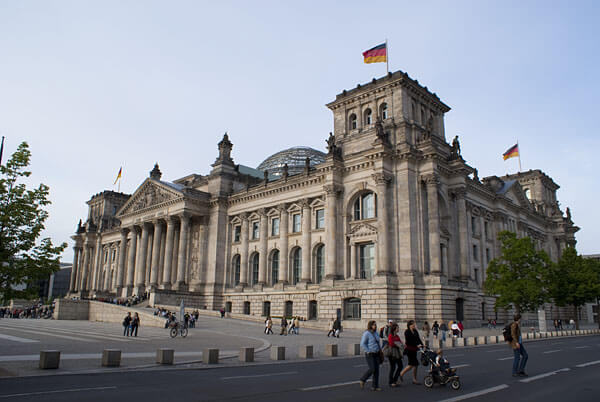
x: 395, y: 359
x: 461, y: 327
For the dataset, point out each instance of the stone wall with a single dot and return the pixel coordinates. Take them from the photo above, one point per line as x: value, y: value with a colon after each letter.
x: 105, y: 312
x: 66, y: 309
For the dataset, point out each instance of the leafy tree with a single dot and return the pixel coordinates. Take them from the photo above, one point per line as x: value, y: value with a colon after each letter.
x: 574, y: 281
x: 519, y: 276
x: 23, y: 260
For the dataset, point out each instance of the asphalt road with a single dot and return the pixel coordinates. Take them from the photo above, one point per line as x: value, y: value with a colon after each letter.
x: 560, y: 369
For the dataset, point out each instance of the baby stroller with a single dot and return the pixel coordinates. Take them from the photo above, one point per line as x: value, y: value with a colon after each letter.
x: 442, y: 374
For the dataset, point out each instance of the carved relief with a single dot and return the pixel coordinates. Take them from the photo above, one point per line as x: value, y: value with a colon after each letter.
x: 362, y: 230
x: 150, y: 195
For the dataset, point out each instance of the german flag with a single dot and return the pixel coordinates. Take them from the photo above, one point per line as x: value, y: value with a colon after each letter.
x: 378, y: 54
x: 119, y: 175
x: 511, y: 152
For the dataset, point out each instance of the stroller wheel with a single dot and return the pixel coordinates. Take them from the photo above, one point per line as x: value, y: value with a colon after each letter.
x: 428, y: 381
x: 455, y: 384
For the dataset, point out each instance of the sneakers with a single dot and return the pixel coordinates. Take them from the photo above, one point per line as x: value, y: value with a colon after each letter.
x: 522, y: 374
x: 515, y: 375
x: 362, y: 384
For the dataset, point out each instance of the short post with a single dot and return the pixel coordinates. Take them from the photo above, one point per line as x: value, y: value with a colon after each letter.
x: 165, y: 356
x: 493, y: 339
x: 277, y: 352
x: 471, y: 340
x: 436, y: 344
x: 481, y: 340
x: 306, y: 352
x: 111, y: 358
x: 210, y: 356
x: 49, y: 359
x: 246, y: 355
x: 449, y: 343
x: 331, y: 350
x: 354, y: 349
x: 459, y: 341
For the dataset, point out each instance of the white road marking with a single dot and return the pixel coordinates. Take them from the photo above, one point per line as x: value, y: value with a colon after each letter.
x: 461, y: 365
x: 50, y: 334
x: 339, y: 384
x: 581, y: 347
x: 588, y: 364
x: 100, y: 335
x: 17, y: 339
x: 360, y: 365
x: 84, y: 356
x: 477, y: 393
x: 507, y: 358
x: 540, y: 376
x: 494, y: 351
x: 552, y: 351
x: 59, y: 391
x: 259, y: 375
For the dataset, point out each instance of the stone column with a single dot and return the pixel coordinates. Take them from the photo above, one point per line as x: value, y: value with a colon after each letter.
x: 96, y: 265
x: 244, y: 251
x: 306, y: 251
x: 122, y: 260
x: 140, y: 269
x: 264, y: 235
x: 463, y: 235
x: 183, y: 250
x: 353, y: 266
x: 166, y: 280
x: 154, y: 268
x: 383, y: 264
x: 85, y: 269
x: 331, y: 270
x: 283, y: 241
x: 131, y: 259
x: 434, y: 225
x: 73, y: 282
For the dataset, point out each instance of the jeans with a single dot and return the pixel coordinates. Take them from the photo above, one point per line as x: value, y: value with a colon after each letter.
x: 373, y: 362
x: 395, y: 369
x: 134, y: 330
x: 521, y: 354
x: 443, y: 336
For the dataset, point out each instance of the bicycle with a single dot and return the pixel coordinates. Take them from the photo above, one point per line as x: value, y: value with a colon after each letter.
x: 178, y: 328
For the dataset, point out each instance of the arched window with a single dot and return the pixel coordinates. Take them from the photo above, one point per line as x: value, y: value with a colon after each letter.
x: 364, y: 207
x: 255, y: 269
x: 368, y: 117
x: 528, y: 193
x: 236, y: 269
x: 352, y: 308
x: 320, y: 262
x: 274, y: 266
x: 296, y: 265
x: 352, y: 122
x: 383, y: 111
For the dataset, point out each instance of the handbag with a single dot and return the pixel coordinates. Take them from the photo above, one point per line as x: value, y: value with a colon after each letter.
x: 388, y: 351
x: 396, y: 353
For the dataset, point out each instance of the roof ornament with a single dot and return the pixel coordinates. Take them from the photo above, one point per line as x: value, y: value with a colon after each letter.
x: 307, y: 165
x: 225, y: 147
x: 380, y: 132
x: 285, y: 173
x: 155, y: 173
x: 332, y: 148
x: 455, y: 151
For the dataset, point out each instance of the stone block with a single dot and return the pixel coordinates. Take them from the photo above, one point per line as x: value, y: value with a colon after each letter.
x: 246, y: 355
x: 471, y: 340
x: 459, y: 342
x: 354, y: 349
x: 331, y: 350
x: 277, y: 352
x: 49, y: 359
x: 165, y: 356
x: 111, y: 358
x: 481, y: 340
x: 449, y: 343
x: 436, y: 344
x: 210, y: 356
x: 306, y: 351
x: 492, y: 339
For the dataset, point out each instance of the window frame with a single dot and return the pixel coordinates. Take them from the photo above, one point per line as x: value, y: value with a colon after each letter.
x: 275, y: 226
x: 320, y: 220
x: 296, y: 226
x: 237, y: 233
x: 255, y: 230
x: 362, y: 258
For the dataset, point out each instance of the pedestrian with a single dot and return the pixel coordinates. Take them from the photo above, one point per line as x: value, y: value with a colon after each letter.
x: 291, y: 330
x: 297, y: 325
x: 268, y: 325
x: 384, y: 332
x: 337, y: 327
x: 222, y: 311
x: 443, y: 330
x: 455, y: 329
x: 370, y: 343
x: 555, y: 325
x: 284, y: 325
x: 395, y: 357
x: 426, y: 331
x: 460, y: 328
x: 135, y: 323
x: 413, y: 343
x: 127, y: 325
x: 516, y: 343
x: 435, y: 329
x: 331, y: 328
x: 572, y: 323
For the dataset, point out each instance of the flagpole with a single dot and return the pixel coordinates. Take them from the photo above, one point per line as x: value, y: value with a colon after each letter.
x: 1, y: 150
x: 387, y: 57
x: 519, y: 155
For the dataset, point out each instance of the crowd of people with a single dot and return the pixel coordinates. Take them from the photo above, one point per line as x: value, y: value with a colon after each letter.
x: 122, y: 301
x: 35, y: 311
x: 189, y: 320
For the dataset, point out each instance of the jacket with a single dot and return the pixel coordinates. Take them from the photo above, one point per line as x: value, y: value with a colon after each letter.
x: 370, y: 342
x: 515, y: 333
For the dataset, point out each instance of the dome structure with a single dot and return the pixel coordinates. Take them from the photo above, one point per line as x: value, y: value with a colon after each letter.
x: 294, y: 157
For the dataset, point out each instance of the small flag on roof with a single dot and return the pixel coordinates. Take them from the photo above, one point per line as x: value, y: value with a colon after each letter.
x: 378, y: 54
x: 512, y: 152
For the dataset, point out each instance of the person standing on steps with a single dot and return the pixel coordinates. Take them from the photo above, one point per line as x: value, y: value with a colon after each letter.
x: 413, y: 343
x: 371, y: 344
x: 516, y: 343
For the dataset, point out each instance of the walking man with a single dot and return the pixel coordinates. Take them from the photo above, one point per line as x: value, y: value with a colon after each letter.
x: 127, y: 325
x: 516, y: 343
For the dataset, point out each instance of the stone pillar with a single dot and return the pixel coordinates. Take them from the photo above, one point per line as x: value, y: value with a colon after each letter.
x: 131, y: 259
x: 435, y: 266
x: 383, y: 263
x: 331, y: 270
x: 183, y: 250
x: 85, y: 268
x: 74, y: 273
x: 264, y: 235
x: 306, y: 251
x: 122, y: 260
x: 140, y: 269
x: 244, y: 251
x: 353, y: 265
x: 166, y: 279
x: 154, y: 268
x: 463, y: 235
x: 97, y: 265
x: 284, y: 259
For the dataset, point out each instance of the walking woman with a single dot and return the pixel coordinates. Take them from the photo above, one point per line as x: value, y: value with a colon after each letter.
x: 395, y: 343
x: 413, y: 342
x: 371, y: 344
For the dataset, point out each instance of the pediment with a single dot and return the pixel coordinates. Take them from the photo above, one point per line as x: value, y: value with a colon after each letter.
x: 363, y: 229
x: 151, y: 193
x: 517, y: 196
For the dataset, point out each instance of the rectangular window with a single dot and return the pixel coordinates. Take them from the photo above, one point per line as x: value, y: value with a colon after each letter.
x: 237, y: 232
x: 114, y: 255
x: 486, y: 228
x: 255, y: 230
x: 488, y: 255
x: 105, y: 256
x: 474, y: 226
x: 475, y: 253
x: 296, y: 223
x: 275, y: 227
x: 367, y: 260
x: 476, y: 273
x: 320, y: 221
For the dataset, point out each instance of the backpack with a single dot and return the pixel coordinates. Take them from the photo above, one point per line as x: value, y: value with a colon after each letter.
x: 506, y: 332
x: 381, y: 332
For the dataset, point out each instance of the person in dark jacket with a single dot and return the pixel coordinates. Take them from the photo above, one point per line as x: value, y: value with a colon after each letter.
x: 127, y: 325
x: 284, y: 325
x: 412, y: 342
x: 135, y: 323
x: 337, y: 327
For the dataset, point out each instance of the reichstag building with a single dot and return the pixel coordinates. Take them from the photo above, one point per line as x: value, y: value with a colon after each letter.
x: 390, y: 222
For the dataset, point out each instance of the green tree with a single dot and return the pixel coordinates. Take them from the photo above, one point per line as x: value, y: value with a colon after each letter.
x: 519, y: 277
x: 573, y: 281
x: 23, y: 259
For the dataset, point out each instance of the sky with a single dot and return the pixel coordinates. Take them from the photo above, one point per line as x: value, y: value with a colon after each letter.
x: 96, y: 85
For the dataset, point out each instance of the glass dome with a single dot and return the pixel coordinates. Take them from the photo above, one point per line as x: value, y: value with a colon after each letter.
x: 294, y: 157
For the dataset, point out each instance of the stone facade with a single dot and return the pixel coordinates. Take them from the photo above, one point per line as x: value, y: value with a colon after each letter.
x: 393, y: 224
